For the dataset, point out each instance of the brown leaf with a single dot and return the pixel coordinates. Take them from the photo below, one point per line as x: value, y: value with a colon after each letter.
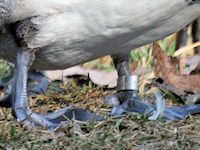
x: 165, y: 68
x: 163, y: 63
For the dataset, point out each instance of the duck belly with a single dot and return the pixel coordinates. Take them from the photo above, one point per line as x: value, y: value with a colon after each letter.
x: 80, y: 35
x: 94, y: 28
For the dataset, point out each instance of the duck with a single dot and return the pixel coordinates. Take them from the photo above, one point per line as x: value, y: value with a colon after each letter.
x: 56, y: 34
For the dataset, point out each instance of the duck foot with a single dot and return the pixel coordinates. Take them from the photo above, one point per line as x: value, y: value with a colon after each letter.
x: 31, y: 120
x: 132, y: 103
x: 128, y: 101
x: 20, y: 104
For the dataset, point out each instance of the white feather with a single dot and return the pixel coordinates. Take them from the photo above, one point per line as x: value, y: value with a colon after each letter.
x: 50, y: 6
x: 22, y: 9
x: 75, y: 31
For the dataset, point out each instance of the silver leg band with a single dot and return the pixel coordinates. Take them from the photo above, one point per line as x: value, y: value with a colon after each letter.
x: 127, y: 83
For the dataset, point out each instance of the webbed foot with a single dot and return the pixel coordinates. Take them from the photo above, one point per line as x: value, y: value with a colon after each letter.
x: 50, y: 121
x: 127, y: 100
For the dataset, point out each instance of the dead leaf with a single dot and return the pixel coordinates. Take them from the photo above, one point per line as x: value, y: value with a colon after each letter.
x: 186, y: 48
x: 166, y: 69
x: 164, y: 64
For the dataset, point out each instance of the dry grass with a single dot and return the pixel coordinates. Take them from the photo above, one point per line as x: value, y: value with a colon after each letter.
x: 127, y: 132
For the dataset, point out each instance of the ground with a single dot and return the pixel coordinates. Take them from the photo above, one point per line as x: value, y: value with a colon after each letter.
x: 131, y: 131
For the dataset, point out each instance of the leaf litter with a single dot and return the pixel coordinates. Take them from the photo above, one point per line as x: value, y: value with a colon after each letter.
x: 167, y: 68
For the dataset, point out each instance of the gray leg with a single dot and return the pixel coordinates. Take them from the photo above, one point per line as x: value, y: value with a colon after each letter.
x: 20, y: 98
x: 20, y: 102
x: 126, y: 99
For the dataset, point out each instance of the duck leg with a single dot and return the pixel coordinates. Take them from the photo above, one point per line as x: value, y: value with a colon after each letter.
x: 127, y: 88
x: 20, y: 102
x: 127, y: 100
x: 20, y: 97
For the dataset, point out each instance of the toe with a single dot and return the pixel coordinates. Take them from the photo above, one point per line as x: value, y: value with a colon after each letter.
x: 112, y: 100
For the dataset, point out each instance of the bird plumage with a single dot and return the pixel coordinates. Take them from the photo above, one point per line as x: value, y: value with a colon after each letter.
x: 80, y: 31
